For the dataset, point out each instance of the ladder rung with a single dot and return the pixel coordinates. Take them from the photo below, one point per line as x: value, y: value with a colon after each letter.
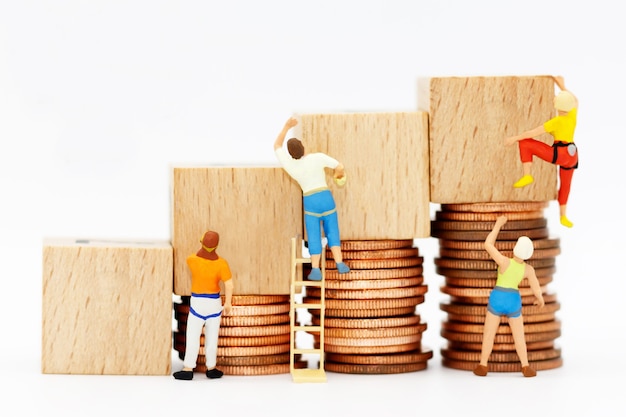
x: 308, y: 305
x: 307, y: 328
x: 309, y: 283
x: 307, y: 351
x: 303, y: 260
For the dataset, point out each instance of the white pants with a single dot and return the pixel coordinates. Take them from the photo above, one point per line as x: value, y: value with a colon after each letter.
x: 204, y: 307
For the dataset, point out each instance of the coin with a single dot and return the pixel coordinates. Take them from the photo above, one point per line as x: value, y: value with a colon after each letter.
x: 259, y: 310
x: 504, y: 366
x: 481, y: 292
x: 368, y: 294
x: 533, y: 355
x: 253, y: 331
x: 543, y: 327
x: 379, y: 254
x: 366, y: 313
x: 370, y: 350
x: 367, y: 304
x: 265, y: 320
x: 378, y: 263
x: 414, y: 356
x: 486, y: 216
x: 375, y: 369
x: 369, y: 323
x: 348, y: 245
x: 330, y: 332
x: 501, y: 245
x: 518, y: 225
x: 485, y: 273
x: 481, y: 235
x: 499, y: 338
x: 489, y: 282
x: 465, y: 264
x: 501, y: 347
x: 371, y: 284
x: 481, y: 310
x: 254, y: 360
x: 503, y: 207
x: 374, y: 274
x: 533, y: 318
x: 484, y: 255
x: 530, y: 299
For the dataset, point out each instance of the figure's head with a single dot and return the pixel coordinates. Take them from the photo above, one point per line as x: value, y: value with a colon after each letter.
x: 523, y: 248
x: 295, y: 148
x: 209, y: 242
x: 564, y: 101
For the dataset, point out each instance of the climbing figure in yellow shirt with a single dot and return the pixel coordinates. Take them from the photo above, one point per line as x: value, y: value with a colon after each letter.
x: 563, y: 151
x: 505, y: 299
x: 205, y: 306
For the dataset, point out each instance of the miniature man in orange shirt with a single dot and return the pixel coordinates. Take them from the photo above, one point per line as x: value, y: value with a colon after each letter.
x: 205, y: 307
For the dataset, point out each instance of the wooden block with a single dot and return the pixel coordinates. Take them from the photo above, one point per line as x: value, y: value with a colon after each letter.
x: 386, y: 159
x: 107, y: 307
x: 469, y: 119
x: 255, y: 210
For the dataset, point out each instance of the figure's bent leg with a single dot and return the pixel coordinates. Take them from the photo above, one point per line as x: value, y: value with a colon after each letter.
x: 489, y: 334
x: 528, y: 149
x: 565, y: 179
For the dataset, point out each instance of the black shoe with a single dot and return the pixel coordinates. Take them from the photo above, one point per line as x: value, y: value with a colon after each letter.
x: 184, y: 375
x: 214, y: 373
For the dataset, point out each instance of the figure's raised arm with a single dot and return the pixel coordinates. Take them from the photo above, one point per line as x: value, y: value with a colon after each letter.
x: 490, y: 242
x: 291, y: 122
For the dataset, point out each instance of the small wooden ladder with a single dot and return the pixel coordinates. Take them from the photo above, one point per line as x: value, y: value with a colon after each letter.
x: 306, y: 374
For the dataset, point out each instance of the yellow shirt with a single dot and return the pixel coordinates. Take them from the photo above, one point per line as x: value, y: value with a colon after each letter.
x: 513, y: 275
x: 562, y: 127
x: 207, y: 274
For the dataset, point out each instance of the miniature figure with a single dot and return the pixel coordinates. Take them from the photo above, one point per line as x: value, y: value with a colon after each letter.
x: 563, y: 151
x: 308, y: 169
x: 205, y: 308
x: 505, y: 299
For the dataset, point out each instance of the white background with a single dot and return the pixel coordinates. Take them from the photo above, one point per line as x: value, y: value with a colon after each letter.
x: 98, y: 99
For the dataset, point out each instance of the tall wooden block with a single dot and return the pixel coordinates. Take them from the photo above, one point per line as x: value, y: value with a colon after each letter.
x: 255, y: 210
x: 386, y: 195
x: 107, y: 307
x: 469, y: 119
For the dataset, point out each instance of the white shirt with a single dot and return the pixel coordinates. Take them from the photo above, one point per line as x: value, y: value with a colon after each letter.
x: 308, y: 171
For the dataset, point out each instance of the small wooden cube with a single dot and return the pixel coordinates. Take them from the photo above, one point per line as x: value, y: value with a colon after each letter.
x: 107, y: 307
x: 469, y: 119
x: 255, y: 210
x: 385, y: 155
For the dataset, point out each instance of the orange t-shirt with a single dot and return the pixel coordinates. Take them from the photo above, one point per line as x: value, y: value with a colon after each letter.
x: 207, y: 274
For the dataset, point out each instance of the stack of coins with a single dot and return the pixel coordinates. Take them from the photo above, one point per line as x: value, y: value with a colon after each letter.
x: 254, y: 339
x: 470, y: 275
x: 370, y: 324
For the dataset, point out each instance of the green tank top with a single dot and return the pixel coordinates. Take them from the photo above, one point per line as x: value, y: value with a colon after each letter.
x: 513, y: 275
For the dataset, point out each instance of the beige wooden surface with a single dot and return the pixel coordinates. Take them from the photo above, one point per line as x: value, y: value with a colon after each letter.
x: 469, y: 119
x: 107, y: 308
x: 255, y: 210
x: 386, y: 160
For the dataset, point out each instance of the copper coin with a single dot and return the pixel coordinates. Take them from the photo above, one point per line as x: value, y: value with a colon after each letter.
x: 253, y: 370
x: 489, y: 282
x: 252, y: 350
x: 253, y: 360
x: 348, y: 245
x: 419, y: 355
x: 500, y: 338
x: 481, y: 292
x: 255, y: 299
x: 378, y: 263
x: 481, y: 235
x: 481, y: 310
x: 371, y: 350
x: 501, y: 347
x: 487, y: 217
x: 378, y: 254
x: 489, y: 264
x: 265, y: 320
x: 503, y: 207
x: 368, y: 294
x: 253, y: 331
x: 485, y: 273
x: 375, y: 369
x: 533, y: 318
x: 533, y: 355
x: 526, y: 300
x: 367, y: 304
x: 501, y: 245
x: 488, y: 226
x: 373, y: 341
x: 366, y: 313
x: 484, y: 255
x: 338, y: 332
x: 259, y: 310
x: 371, y: 284
x: 253, y: 341
x: 368, y: 323
x: 504, y: 366
x: 374, y: 274
x: 544, y: 327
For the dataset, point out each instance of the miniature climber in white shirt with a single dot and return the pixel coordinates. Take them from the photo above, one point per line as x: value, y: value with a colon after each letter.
x: 308, y: 169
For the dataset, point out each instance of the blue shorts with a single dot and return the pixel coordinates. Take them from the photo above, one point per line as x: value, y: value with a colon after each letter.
x: 319, y: 208
x: 505, y: 302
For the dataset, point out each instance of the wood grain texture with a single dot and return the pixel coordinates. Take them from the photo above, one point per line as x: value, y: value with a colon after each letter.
x: 255, y: 210
x: 107, y: 308
x: 469, y: 119
x: 386, y: 160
